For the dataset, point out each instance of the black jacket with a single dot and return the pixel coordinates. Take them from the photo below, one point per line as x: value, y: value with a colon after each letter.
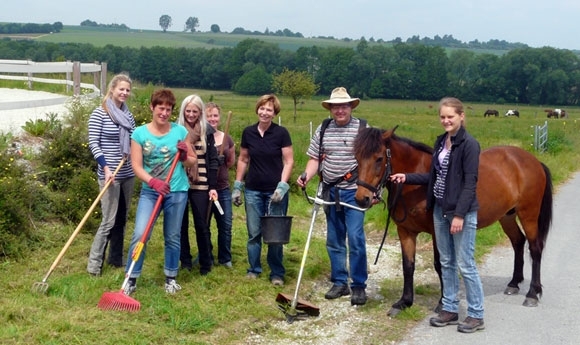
x: 461, y: 181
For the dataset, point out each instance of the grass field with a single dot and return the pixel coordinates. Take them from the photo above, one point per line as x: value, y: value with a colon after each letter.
x: 134, y: 38
x: 224, y: 307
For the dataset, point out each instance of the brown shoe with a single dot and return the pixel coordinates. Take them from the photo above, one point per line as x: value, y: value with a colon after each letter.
x: 444, y: 318
x: 470, y: 325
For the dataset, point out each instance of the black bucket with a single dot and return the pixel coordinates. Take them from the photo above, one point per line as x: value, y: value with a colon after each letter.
x: 276, y: 229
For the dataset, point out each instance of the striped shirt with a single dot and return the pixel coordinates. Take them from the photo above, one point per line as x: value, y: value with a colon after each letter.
x: 104, y: 142
x: 439, y: 186
x: 337, y: 151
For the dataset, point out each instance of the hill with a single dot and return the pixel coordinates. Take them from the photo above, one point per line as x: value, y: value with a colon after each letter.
x: 135, y: 38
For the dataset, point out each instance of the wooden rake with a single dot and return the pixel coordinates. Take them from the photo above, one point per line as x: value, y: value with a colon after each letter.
x: 42, y: 286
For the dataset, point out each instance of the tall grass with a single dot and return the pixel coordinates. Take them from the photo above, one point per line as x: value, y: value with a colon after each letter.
x: 224, y: 307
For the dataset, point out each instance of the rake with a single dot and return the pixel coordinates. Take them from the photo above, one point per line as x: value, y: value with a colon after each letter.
x: 119, y: 300
x: 42, y: 286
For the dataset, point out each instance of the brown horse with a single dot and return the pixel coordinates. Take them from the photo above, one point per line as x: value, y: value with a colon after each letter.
x: 491, y: 112
x: 512, y: 184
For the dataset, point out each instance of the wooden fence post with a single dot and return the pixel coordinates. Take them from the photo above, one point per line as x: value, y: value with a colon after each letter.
x: 76, y: 78
x: 103, y: 84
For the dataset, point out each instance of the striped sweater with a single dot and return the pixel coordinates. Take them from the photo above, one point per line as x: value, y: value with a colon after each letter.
x: 104, y: 142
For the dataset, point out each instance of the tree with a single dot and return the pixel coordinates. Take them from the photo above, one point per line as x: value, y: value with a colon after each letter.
x: 165, y: 22
x: 215, y: 28
x: 295, y: 84
x: 191, y: 24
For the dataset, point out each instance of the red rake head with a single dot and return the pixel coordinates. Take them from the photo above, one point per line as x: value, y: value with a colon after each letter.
x: 118, y: 301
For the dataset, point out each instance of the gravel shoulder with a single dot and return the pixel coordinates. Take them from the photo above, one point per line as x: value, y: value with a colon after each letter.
x: 18, y: 106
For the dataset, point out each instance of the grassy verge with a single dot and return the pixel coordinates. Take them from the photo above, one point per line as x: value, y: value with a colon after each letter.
x: 224, y: 307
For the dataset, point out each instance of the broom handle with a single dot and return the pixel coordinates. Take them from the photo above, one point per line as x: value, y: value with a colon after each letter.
x: 226, y: 130
x: 140, y: 245
x: 83, y: 221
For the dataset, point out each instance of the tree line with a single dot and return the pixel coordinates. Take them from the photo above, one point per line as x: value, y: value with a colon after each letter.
x: 30, y: 28
x: 400, y: 71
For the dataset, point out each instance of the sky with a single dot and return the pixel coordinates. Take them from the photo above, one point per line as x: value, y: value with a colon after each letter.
x: 554, y: 23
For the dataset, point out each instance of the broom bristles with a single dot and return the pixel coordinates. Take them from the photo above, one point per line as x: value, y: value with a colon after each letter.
x: 118, y: 301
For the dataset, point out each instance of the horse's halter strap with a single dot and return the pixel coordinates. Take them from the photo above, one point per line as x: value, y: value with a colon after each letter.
x: 384, y: 179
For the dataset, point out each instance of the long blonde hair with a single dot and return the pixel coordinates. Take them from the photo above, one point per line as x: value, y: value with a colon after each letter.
x: 202, y: 120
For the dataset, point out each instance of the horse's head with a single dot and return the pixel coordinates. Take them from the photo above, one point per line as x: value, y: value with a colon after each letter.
x: 373, y: 163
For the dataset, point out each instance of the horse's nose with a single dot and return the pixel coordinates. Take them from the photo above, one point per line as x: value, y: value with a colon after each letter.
x: 364, y: 202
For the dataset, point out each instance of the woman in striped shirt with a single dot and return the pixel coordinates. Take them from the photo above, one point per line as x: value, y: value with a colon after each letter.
x: 110, y: 128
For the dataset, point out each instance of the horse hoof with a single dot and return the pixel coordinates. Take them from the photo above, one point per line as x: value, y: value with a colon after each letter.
x: 530, y: 302
x: 511, y: 290
x: 393, y: 312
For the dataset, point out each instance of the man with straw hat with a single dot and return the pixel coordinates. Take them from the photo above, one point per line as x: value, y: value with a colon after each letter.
x: 331, y: 156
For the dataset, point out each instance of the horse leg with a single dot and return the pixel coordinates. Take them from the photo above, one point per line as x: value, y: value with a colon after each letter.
x: 518, y: 241
x: 408, y: 248
x: 535, y: 285
x: 437, y: 265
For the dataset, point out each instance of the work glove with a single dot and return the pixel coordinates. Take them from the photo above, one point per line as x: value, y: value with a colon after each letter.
x: 221, y: 160
x: 182, y: 150
x: 281, y: 190
x: 159, y: 186
x: 237, y: 193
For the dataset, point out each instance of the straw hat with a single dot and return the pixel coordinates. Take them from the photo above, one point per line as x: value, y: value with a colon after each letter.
x: 338, y: 96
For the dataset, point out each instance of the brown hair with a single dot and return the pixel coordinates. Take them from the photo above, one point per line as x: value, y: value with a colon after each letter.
x: 269, y: 98
x: 211, y: 105
x: 163, y: 96
x: 453, y: 103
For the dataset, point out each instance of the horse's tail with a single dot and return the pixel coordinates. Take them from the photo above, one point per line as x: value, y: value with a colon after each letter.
x: 545, y: 217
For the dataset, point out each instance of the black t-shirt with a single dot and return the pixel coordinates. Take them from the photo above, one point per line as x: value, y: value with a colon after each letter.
x: 266, y: 164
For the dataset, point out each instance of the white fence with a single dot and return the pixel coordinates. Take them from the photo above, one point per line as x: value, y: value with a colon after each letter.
x: 25, y: 70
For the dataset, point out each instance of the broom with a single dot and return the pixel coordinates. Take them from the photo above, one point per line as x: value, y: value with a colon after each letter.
x: 119, y: 300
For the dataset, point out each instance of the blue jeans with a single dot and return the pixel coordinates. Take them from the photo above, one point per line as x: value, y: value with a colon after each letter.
x: 173, y: 205
x: 224, y: 226
x: 457, y: 252
x: 340, y: 224
x: 256, y: 206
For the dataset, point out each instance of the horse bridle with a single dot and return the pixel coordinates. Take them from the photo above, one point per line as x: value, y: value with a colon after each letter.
x: 378, y: 190
x: 391, y: 199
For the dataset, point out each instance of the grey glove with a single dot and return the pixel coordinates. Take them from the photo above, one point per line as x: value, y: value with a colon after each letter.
x: 237, y: 193
x: 281, y: 190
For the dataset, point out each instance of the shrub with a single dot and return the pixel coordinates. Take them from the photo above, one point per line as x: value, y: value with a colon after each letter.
x: 20, y: 203
x: 63, y: 158
x: 48, y: 128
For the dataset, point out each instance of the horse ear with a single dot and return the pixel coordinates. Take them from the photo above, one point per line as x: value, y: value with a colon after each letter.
x: 389, y: 133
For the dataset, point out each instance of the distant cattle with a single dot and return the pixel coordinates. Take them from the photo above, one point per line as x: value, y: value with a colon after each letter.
x: 490, y: 112
x: 512, y: 113
x: 556, y: 113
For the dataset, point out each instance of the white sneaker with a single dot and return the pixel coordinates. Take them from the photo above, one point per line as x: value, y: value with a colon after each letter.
x: 172, y: 287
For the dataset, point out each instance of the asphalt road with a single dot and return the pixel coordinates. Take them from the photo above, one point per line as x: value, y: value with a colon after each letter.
x: 507, y: 321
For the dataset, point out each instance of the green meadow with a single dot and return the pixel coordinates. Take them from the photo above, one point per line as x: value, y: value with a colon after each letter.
x: 224, y: 307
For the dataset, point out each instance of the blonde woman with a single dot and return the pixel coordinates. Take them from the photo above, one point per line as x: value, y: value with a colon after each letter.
x: 110, y: 128
x: 202, y: 183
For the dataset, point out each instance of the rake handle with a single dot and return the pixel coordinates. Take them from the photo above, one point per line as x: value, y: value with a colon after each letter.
x: 141, y: 244
x: 83, y: 221
x: 226, y: 130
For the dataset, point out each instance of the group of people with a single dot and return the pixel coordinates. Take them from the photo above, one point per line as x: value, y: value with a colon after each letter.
x: 263, y: 171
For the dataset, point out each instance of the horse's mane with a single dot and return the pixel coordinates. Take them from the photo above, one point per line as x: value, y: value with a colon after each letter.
x: 414, y: 144
x: 370, y: 140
